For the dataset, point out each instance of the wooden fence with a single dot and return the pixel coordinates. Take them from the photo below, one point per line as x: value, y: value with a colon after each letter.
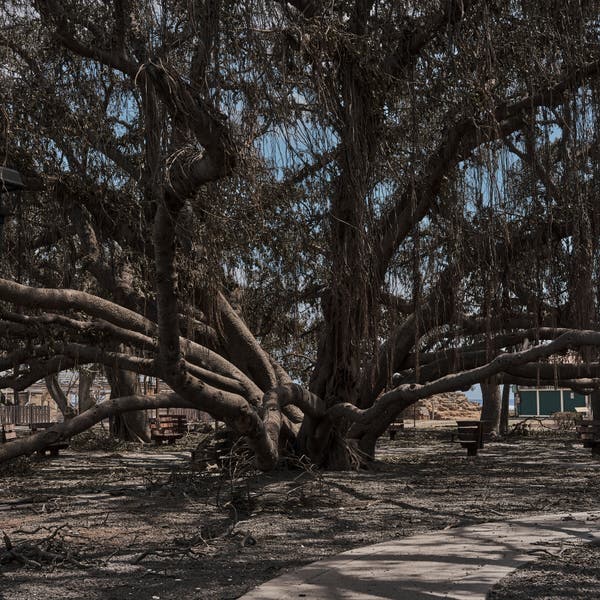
x: 24, y: 415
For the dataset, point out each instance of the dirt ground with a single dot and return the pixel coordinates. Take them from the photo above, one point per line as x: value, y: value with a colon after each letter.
x: 570, y: 572
x: 139, y: 523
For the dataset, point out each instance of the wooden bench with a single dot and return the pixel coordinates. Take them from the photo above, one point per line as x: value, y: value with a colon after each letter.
x: 471, y: 435
x: 395, y: 427
x: 54, y: 448
x: 589, y: 434
x: 7, y: 433
x: 168, y: 428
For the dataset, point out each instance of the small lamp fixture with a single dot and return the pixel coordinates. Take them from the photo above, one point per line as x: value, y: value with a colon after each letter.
x: 10, y: 181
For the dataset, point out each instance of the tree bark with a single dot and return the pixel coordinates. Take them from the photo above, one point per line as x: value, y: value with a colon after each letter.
x: 595, y: 402
x: 86, y: 379
x: 505, y: 409
x: 131, y: 426
x: 59, y: 397
x: 491, y: 408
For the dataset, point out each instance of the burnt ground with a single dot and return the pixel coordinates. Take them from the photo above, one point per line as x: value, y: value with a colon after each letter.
x: 568, y: 572
x: 139, y: 523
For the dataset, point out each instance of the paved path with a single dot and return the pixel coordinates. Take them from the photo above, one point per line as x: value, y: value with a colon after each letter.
x: 460, y: 563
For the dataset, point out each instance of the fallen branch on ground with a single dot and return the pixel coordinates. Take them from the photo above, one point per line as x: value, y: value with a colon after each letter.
x: 51, y: 550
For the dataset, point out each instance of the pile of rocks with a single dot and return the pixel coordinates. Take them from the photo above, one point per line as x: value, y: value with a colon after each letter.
x: 449, y: 406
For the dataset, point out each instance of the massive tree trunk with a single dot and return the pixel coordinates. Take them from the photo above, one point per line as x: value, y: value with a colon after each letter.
x: 348, y: 304
x: 130, y: 426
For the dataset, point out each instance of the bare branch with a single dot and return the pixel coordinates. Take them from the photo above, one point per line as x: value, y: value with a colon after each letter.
x: 82, y: 422
x: 399, y: 398
x: 458, y: 142
x: 94, y: 306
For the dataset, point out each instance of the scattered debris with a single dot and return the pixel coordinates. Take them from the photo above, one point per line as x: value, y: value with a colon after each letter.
x: 448, y: 406
x: 51, y: 550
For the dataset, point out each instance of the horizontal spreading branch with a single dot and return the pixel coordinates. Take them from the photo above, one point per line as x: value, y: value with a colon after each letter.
x: 209, y: 365
x: 437, y: 364
x: 547, y: 372
x: 54, y: 16
x: 65, y: 299
x: 83, y: 354
x: 37, y: 370
x: 82, y: 422
x: 392, y: 402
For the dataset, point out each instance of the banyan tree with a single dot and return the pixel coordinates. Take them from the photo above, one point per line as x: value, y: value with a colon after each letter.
x: 274, y: 206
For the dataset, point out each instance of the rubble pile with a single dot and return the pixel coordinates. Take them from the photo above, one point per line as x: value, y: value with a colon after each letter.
x: 441, y: 407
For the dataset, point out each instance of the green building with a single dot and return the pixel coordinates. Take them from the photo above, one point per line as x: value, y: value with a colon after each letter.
x: 543, y: 402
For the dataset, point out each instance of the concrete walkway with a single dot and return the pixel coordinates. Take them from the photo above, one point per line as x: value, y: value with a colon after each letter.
x: 461, y: 563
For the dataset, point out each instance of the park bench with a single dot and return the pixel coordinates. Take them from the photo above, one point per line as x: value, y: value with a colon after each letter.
x: 395, y: 427
x: 471, y: 435
x: 589, y: 434
x: 54, y: 448
x: 7, y: 433
x: 168, y: 428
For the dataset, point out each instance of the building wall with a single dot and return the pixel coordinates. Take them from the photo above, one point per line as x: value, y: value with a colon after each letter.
x: 542, y: 402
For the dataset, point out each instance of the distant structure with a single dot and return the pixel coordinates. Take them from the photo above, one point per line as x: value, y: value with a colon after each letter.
x: 545, y: 401
x: 36, y: 399
x: 443, y: 407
